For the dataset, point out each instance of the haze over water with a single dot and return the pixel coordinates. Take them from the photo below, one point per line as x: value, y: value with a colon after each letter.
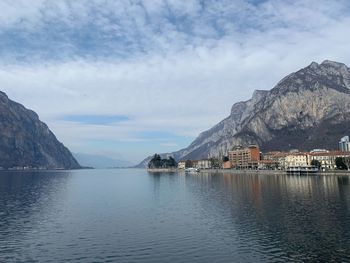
x: 133, y: 216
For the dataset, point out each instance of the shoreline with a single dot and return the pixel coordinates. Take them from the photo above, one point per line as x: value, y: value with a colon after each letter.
x: 233, y: 171
x: 273, y: 172
x: 162, y: 170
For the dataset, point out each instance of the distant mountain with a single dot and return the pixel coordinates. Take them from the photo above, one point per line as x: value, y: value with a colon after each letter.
x: 26, y: 141
x: 307, y: 109
x: 100, y: 161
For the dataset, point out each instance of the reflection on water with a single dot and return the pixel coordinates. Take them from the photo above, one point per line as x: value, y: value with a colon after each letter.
x: 132, y: 216
x: 26, y: 199
x: 289, y: 217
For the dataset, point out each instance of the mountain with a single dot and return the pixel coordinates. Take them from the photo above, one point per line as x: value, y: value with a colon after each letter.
x: 100, y: 161
x: 26, y: 141
x: 307, y: 109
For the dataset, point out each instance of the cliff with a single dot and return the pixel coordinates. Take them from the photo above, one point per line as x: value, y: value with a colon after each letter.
x: 25, y: 141
x: 307, y: 109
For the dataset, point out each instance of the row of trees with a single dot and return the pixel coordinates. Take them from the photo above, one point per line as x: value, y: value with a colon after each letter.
x: 158, y: 162
x: 342, y: 163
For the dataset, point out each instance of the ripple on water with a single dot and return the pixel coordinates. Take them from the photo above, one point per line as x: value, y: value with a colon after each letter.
x: 131, y: 216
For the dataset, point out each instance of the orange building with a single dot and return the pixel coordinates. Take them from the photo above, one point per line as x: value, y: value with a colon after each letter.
x: 226, y: 165
x: 244, y: 158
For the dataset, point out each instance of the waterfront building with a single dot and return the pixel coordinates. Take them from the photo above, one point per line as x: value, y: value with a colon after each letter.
x: 204, y: 164
x: 296, y: 159
x: 271, y: 158
x: 269, y: 155
x: 268, y: 165
x: 319, y: 151
x: 244, y: 157
x: 194, y: 164
x: 281, y: 159
x: 344, y: 144
x: 294, y: 151
x: 181, y: 165
x: 226, y: 165
x: 327, y: 159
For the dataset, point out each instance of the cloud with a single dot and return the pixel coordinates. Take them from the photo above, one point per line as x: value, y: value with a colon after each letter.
x: 96, y: 119
x: 169, y: 144
x: 167, y: 67
x: 57, y: 30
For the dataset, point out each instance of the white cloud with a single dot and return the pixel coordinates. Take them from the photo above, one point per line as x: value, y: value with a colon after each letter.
x: 169, y: 144
x: 178, y: 79
x: 20, y: 11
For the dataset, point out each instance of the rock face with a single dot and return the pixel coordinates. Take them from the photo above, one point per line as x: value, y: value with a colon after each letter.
x: 307, y: 109
x: 25, y: 141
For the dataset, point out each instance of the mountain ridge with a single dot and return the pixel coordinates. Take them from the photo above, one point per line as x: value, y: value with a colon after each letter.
x: 26, y: 141
x: 308, y: 108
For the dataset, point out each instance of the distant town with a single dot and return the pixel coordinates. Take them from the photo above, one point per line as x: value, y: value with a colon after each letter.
x: 251, y: 158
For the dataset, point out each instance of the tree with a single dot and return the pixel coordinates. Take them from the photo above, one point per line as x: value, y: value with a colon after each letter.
x: 225, y: 159
x: 172, y: 162
x: 215, y: 163
x: 158, y: 162
x: 316, y: 163
x: 169, y: 163
x: 156, y: 158
x: 346, y: 161
x: 339, y: 162
x: 155, y: 162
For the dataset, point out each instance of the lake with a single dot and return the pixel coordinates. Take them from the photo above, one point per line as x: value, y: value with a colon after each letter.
x: 129, y: 215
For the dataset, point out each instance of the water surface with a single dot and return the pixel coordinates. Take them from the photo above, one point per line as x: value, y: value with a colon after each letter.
x: 133, y: 216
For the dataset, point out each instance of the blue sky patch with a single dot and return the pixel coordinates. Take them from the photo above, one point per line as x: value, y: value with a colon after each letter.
x: 96, y: 119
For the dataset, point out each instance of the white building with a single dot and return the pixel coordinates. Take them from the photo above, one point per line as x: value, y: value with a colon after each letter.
x: 181, y: 165
x: 204, y: 164
x: 327, y: 160
x: 296, y: 159
x: 344, y: 144
x: 319, y: 151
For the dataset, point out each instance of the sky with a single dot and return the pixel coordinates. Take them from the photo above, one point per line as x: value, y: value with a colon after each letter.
x: 129, y: 78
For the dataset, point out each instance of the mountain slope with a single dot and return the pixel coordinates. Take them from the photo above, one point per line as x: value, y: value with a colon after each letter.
x: 307, y: 109
x: 26, y: 141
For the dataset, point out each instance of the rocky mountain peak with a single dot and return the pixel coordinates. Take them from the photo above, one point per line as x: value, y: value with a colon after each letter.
x: 307, y: 109
x: 333, y: 64
x: 314, y: 65
x: 330, y: 74
x: 327, y: 67
x: 328, y: 64
x: 258, y: 94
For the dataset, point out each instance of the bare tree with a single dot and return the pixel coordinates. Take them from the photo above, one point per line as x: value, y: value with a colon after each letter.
x: 346, y: 161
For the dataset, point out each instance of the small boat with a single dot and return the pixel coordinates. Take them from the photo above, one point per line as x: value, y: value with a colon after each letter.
x: 191, y: 170
x: 302, y: 170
